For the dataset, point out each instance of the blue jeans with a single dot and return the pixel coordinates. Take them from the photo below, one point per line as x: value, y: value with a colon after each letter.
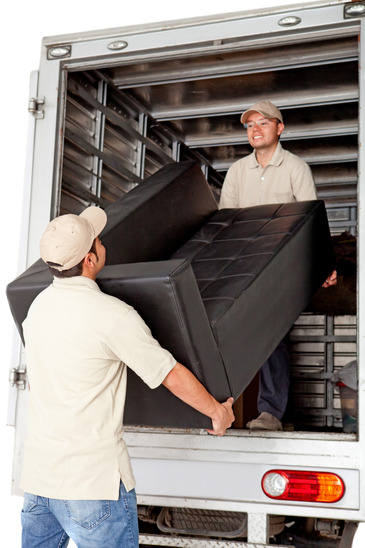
x: 50, y: 523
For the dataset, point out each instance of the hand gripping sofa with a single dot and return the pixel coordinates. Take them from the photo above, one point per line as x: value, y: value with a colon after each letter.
x: 218, y: 288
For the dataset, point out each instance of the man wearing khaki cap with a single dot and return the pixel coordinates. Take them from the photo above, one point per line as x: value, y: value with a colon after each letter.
x: 77, y: 475
x: 269, y: 175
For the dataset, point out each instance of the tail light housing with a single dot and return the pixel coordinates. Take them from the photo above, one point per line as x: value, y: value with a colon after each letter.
x: 306, y: 486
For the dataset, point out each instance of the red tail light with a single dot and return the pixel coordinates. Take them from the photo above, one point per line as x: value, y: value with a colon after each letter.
x: 303, y: 486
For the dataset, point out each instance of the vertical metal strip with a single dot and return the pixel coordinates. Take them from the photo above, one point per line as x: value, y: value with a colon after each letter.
x: 361, y: 255
x: 329, y: 360
x: 99, y: 139
x: 141, y: 147
x: 257, y: 528
x: 23, y: 240
x: 59, y: 145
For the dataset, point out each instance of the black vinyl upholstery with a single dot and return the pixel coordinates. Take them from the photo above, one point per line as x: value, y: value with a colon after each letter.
x: 218, y: 288
x: 257, y: 268
x: 160, y: 215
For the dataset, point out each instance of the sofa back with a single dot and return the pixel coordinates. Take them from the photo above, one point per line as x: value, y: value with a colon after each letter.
x: 159, y: 215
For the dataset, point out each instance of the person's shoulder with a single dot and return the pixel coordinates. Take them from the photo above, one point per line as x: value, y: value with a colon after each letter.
x: 108, y: 310
x: 239, y: 164
x: 112, y: 302
x: 43, y: 296
x: 293, y: 157
x: 293, y: 160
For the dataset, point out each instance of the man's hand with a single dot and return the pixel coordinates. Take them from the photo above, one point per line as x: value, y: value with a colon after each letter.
x: 184, y: 385
x: 224, y: 419
x: 331, y: 279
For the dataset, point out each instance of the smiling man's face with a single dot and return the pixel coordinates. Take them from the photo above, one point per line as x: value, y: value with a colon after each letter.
x: 265, y: 134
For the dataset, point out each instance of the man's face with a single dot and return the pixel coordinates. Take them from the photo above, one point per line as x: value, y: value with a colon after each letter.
x: 266, y: 135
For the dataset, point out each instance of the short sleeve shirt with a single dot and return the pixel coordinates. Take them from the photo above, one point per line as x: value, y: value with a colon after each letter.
x: 287, y: 178
x: 78, y: 342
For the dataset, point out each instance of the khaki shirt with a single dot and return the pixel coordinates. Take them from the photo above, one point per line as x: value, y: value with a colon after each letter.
x: 77, y: 342
x: 287, y: 178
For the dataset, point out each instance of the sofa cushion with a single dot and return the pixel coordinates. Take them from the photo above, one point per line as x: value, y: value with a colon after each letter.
x: 257, y: 269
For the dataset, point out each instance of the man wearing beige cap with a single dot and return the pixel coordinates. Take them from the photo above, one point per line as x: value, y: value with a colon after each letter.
x: 269, y: 175
x: 77, y: 475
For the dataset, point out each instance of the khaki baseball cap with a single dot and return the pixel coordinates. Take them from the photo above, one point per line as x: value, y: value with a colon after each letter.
x: 68, y: 238
x: 265, y: 108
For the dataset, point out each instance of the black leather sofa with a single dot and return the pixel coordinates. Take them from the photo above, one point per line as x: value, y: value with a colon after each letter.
x: 218, y: 288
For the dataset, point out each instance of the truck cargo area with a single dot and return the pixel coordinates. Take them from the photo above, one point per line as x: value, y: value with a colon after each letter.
x: 125, y: 119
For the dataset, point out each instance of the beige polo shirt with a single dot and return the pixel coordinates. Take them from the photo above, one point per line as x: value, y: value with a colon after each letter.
x: 287, y: 178
x: 77, y: 342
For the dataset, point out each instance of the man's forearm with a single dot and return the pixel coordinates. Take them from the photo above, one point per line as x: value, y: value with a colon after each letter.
x: 184, y: 385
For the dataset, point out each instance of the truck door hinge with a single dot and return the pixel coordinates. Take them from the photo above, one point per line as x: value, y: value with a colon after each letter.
x: 17, y: 377
x: 34, y: 107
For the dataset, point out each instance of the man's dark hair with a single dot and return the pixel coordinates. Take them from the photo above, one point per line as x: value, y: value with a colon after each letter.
x: 75, y: 270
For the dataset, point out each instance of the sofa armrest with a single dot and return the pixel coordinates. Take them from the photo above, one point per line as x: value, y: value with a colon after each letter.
x: 166, y: 295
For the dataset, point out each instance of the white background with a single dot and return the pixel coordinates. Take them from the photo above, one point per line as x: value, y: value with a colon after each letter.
x: 22, y: 29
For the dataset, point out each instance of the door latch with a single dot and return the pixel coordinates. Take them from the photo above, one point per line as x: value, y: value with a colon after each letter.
x: 18, y: 377
x: 35, y: 107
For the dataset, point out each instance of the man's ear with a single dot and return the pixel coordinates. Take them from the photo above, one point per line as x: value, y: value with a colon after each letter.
x: 88, y: 263
x: 280, y: 128
x: 89, y: 259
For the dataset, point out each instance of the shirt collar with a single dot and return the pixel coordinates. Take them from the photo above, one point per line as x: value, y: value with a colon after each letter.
x: 278, y: 155
x: 76, y: 282
x: 276, y: 159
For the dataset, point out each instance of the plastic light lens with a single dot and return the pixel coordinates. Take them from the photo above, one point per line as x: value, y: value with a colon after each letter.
x: 275, y: 484
x: 303, y: 486
x: 59, y: 52
x: 289, y: 21
x: 117, y: 45
x: 354, y: 10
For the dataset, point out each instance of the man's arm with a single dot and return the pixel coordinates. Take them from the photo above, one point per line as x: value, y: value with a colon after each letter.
x: 184, y: 385
x: 303, y: 184
x: 229, y: 192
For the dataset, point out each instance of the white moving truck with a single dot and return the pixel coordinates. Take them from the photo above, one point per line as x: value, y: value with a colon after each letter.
x: 111, y: 107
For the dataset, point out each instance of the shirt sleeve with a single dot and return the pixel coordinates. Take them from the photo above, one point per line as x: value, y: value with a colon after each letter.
x: 132, y: 342
x: 302, y: 182
x: 229, y: 193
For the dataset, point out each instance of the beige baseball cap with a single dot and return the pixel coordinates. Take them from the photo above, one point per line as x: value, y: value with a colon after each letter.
x: 265, y: 108
x: 68, y: 238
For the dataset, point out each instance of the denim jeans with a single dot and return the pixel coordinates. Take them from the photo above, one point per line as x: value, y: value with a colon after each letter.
x: 50, y: 523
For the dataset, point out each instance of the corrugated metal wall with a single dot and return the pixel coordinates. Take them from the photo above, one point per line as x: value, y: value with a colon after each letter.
x: 124, y: 122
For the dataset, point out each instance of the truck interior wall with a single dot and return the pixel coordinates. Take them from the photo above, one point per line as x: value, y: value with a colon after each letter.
x: 124, y: 121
